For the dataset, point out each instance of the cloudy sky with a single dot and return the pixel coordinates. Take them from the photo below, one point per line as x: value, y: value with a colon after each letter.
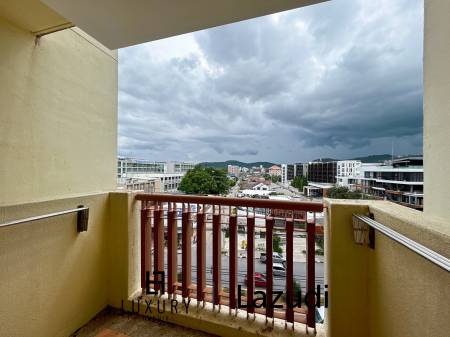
x: 338, y: 79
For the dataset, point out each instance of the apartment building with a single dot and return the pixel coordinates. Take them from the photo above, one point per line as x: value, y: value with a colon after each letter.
x: 168, y: 182
x: 347, y: 169
x: 179, y: 166
x: 168, y: 174
x: 322, y: 172
x: 287, y: 173
x: 233, y: 170
x: 130, y: 167
x: 145, y: 185
x: 275, y: 170
x: 301, y: 170
x: 400, y: 181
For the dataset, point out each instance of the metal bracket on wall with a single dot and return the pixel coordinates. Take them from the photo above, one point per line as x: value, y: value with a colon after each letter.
x: 430, y: 255
x: 371, y: 242
x: 82, y: 218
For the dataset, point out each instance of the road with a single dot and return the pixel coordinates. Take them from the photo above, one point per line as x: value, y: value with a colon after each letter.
x: 279, y: 283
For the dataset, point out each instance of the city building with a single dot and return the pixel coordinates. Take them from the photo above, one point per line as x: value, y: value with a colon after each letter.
x: 168, y: 174
x: 287, y: 173
x: 128, y: 167
x: 168, y: 182
x: 233, y: 170
x: 179, y: 166
x: 64, y: 267
x: 301, y: 170
x: 400, y: 181
x: 346, y: 170
x: 261, y: 187
x: 322, y: 172
x: 275, y: 170
x: 146, y: 185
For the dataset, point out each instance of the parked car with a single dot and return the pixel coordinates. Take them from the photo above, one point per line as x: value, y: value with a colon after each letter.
x: 278, y: 269
x: 260, y: 280
x: 276, y: 258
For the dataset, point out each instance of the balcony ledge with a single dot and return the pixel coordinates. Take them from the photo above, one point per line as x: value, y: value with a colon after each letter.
x: 218, y: 323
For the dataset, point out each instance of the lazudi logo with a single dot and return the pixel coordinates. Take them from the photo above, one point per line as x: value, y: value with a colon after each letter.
x: 311, y: 299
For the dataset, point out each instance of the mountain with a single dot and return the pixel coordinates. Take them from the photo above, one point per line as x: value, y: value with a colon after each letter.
x: 224, y: 164
x: 375, y: 158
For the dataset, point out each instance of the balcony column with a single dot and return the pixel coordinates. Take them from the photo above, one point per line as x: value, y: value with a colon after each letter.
x: 436, y: 108
x: 346, y: 271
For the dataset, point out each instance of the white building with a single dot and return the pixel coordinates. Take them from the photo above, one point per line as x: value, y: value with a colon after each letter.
x: 287, y: 173
x: 168, y: 174
x: 168, y: 182
x: 127, y: 167
x: 261, y: 187
x: 400, y: 181
x: 347, y: 169
x: 254, y: 193
x: 134, y: 184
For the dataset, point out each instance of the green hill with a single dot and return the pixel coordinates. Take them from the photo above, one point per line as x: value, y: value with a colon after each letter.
x: 375, y: 158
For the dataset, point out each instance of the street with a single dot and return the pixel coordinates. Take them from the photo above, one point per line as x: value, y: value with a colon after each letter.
x: 279, y: 282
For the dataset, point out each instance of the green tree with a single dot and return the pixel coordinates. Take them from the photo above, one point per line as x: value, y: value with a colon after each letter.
x: 342, y: 192
x: 299, y: 183
x: 232, y: 182
x: 275, y: 179
x: 205, y: 180
x: 277, y: 244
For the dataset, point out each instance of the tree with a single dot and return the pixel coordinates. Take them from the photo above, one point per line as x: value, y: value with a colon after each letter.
x: 205, y: 180
x: 275, y: 179
x: 277, y: 244
x: 232, y: 182
x: 299, y: 183
x: 342, y: 192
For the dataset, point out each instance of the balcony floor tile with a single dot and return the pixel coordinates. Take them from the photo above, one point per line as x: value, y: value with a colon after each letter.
x: 110, y: 323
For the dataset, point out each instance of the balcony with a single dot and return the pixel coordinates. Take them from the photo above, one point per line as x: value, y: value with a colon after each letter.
x: 163, y: 215
x: 52, y: 271
x: 58, y: 136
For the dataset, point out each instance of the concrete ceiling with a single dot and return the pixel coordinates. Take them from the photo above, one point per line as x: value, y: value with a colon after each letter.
x: 122, y: 23
x: 32, y: 15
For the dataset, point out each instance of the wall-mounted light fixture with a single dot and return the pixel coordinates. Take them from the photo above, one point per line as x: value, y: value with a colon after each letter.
x: 362, y: 232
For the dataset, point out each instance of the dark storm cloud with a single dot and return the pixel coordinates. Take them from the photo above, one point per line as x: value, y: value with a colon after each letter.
x: 341, y: 78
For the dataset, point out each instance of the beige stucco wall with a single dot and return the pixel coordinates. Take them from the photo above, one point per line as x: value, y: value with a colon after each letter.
x: 53, y: 279
x: 409, y: 296
x: 58, y: 115
x: 389, y: 290
x: 124, y: 247
x: 437, y: 108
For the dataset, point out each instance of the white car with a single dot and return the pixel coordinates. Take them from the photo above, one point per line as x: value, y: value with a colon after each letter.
x: 276, y: 258
x: 278, y: 270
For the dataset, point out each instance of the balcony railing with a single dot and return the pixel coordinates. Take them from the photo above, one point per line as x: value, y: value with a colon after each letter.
x: 163, y: 214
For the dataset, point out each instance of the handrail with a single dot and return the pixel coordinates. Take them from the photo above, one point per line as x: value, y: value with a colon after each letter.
x: 416, y: 247
x: 81, y: 221
x: 307, y: 206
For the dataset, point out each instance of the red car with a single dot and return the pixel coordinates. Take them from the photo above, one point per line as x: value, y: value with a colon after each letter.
x: 260, y: 280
